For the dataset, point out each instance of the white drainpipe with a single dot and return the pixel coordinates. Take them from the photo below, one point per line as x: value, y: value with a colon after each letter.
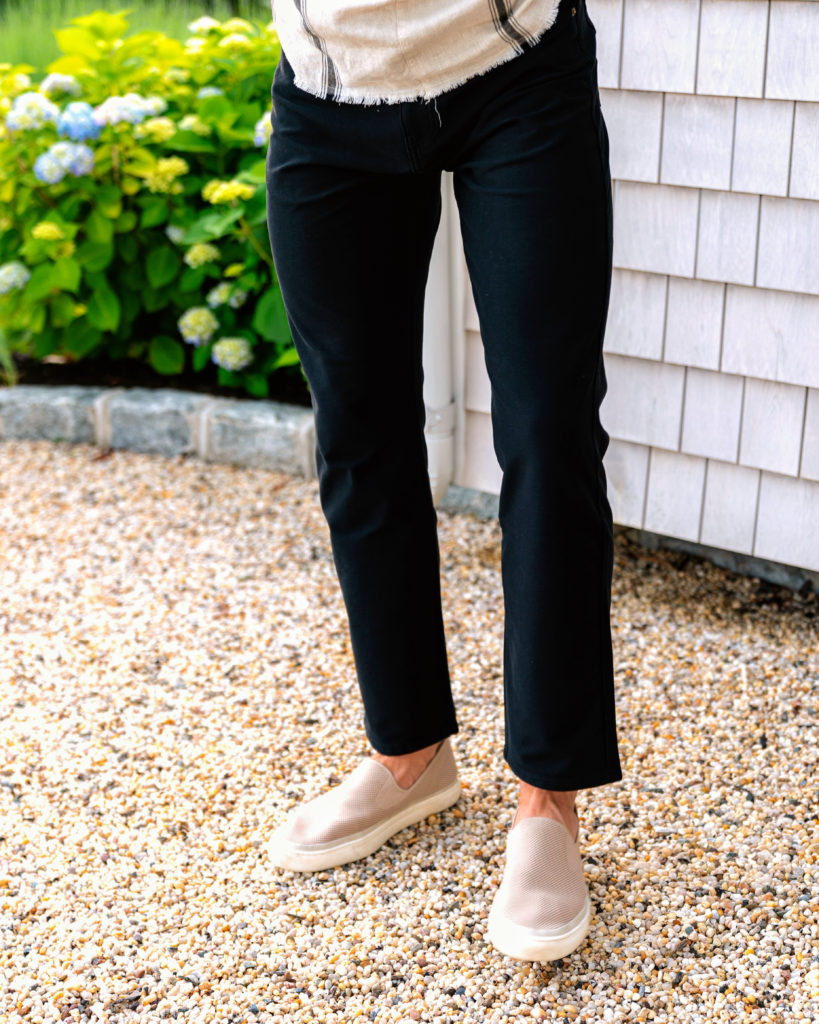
x: 437, y: 358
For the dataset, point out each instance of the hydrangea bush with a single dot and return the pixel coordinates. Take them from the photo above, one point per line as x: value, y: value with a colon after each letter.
x: 132, y: 201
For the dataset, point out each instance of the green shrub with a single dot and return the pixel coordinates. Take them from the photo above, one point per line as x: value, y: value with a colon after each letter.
x: 132, y: 201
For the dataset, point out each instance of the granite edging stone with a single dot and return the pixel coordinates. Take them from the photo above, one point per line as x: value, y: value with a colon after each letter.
x: 166, y: 421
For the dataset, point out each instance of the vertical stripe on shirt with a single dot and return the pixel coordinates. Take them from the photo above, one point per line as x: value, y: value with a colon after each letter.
x: 330, y: 83
x: 506, y: 25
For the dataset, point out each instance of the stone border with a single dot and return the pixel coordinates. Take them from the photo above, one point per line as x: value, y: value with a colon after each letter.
x: 165, y: 421
x: 260, y: 434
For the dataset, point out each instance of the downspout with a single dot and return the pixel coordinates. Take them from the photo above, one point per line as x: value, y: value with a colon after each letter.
x: 437, y: 360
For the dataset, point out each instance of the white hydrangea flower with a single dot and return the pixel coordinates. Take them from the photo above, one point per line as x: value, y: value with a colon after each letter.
x: 237, y: 25
x: 232, y: 353
x: 200, y: 254
x: 13, y: 276
x: 31, y: 110
x: 19, y: 83
x: 203, y: 24
x: 194, y: 123
x: 197, y: 325
x: 235, y: 41
x: 154, y: 105
x: 56, y: 83
x: 219, y: 294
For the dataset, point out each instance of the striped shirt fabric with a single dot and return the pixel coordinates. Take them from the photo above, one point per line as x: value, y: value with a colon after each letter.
x: 385, y: 51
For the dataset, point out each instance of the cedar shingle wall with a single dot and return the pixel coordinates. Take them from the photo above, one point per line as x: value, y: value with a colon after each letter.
x: 712, y: 343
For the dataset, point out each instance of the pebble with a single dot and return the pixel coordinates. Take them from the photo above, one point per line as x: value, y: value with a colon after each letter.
x: 176, y: 675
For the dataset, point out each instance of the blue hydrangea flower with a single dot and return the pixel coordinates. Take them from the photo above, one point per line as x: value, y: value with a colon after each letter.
x: 31, y: 110
x: 13, y: 276
x: 64, y: 158
x: 48, y: 168
x: 81, y: 160
x: 77, y: 122
x: 262, y: 130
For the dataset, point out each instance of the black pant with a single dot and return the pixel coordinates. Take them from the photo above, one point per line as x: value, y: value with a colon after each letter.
x: 354, y: 202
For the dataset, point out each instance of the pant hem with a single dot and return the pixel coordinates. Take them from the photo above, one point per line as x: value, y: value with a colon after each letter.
x: 417, y: 742
x: 564, y: 783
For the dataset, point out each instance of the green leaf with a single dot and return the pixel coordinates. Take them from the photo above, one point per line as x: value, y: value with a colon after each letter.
x: 200, y: 356
x: 125, y: 222
x: 255, y: 173
x: 77, y: 41
x: 270, y: 320
x: 37, y: 318
x: 103, y: 24
x: 127, y: 248
x: 131, y: 305
x: 43, y: 280
x: 212, y: 224
x: 211, y: 108
x: 154, y: 211
x: 137, y: 45
x: 191, y: 279
x: 189, y: 142
x: 98, y: 228
x: 104, y: 309
x: 71, y: 64
x: 45, y: 343
x: 162, y: 266
x: 153, y: 299
x: 80, y: 337
x: 166, y: 355
x: 290, y: 357
x: 142, y: 162
x: 108, y: 200
x: 95, y: 256
x: 62, y: 310
x: 68, y: 274
x: 256, y: 384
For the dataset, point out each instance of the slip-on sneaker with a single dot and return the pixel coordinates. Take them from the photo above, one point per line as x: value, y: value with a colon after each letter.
x: 542, y: 909
x: 356, y: 817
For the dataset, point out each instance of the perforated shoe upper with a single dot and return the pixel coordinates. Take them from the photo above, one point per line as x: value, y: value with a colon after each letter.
x: 543, y: 885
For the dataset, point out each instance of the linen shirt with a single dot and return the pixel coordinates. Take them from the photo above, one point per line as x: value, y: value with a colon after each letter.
x: 373, y: 51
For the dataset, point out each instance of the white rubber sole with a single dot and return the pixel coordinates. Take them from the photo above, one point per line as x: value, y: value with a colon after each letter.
x: 522, y: 943
x: 318, y: 857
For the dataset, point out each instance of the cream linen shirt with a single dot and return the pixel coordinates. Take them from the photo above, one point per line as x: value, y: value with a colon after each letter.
x: 372, y: 51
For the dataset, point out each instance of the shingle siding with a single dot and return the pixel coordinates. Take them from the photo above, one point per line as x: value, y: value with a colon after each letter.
x: 712, y: 341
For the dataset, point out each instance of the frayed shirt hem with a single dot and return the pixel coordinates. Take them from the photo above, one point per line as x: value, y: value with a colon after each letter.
x: 427, y: 93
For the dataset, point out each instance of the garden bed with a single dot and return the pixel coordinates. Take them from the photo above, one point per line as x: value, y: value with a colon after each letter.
x: 286, y: 385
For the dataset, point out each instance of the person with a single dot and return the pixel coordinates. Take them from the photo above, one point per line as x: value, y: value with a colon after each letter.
x: 371, y: 102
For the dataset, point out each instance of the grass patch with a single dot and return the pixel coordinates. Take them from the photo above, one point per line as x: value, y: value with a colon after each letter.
x: 27, y: 26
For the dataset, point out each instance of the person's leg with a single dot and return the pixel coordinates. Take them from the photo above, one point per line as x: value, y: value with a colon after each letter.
x: 534, y: 196
x: 351, y: 231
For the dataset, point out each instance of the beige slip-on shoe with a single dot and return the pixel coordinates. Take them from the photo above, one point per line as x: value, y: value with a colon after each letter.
x: 542, y: 909
x: 356, y: 817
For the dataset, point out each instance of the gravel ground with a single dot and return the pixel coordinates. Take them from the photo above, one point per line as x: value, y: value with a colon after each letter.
x: 176, y: 674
